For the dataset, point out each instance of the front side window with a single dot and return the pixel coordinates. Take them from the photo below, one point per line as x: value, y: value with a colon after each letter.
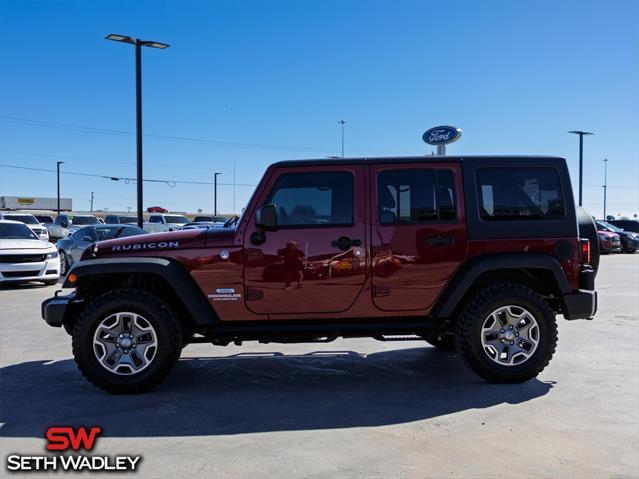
x: 415, y: 196
x: 519, y: 194
x: 83, y: 233
x: 155, y: 219
x: 313, y: 199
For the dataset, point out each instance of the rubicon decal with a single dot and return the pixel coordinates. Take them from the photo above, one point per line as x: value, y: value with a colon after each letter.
x: 137, y: 246
x: 66, y: 438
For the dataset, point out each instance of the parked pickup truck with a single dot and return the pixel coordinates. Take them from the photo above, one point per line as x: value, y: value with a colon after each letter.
x: 165, y: 222
x: 478, y: 254
x: 65, y: 224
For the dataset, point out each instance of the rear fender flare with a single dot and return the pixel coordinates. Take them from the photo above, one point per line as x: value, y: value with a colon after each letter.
x: 465, y: 277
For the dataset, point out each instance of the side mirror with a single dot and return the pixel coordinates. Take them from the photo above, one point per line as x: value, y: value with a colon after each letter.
x: 266, y: 218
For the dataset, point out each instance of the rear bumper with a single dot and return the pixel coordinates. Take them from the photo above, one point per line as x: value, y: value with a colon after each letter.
x: 54, y: 310
x: 580, y: 304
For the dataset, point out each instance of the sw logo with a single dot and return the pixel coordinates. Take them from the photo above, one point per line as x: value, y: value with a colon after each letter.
x: 65, y: 439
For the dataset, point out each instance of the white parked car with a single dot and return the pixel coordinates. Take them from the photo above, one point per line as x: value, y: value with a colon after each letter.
x: 25, y: 257
x: 29, y: 220
x: 165, y: 222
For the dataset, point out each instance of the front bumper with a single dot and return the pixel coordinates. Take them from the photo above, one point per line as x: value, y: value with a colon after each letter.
x: 22, y: 272
x: 55, y: 310
x: 580, y: 304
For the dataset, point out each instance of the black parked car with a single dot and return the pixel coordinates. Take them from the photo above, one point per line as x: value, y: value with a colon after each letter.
x: 626, y: 225
x: 72, y: 247
x: 629, y: 240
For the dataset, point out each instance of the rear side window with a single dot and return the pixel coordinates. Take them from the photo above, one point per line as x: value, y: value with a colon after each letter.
x: 519, y: 194
x: 313, y: 199
x: 415, y: 196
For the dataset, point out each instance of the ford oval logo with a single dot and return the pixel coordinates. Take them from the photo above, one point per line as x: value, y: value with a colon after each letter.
x: 441, y: 135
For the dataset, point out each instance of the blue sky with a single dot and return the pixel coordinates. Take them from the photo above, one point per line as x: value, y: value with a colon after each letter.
x: 273, y: 78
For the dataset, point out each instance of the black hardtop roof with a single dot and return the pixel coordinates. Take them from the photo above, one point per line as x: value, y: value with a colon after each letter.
x: 415, y: 159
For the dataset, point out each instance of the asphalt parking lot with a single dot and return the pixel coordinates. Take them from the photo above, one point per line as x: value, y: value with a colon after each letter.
x: 352, y: 408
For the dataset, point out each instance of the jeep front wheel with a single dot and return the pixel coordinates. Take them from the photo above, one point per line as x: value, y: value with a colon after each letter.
x: 126, y: 341
x: 506, y: 333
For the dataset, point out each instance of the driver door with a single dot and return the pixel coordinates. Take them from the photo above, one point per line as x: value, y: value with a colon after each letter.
x: 315, y: 260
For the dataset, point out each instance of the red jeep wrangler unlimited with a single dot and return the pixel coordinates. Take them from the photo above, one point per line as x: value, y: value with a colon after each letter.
x: 476, y: 253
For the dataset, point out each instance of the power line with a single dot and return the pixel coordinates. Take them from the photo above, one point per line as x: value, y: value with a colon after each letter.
x: 170, y: 138
x: 127, y: 180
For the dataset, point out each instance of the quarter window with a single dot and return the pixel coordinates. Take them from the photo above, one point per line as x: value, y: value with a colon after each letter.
x: 415, y: 196
x: 519, y: 194
x: 313, y: 199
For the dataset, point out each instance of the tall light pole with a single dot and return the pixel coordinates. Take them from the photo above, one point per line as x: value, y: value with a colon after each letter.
x: 581, y: 160
x: 58, y: 163
x: 138, y: 104
x: 215, y: 194
x: 605, y: 186
x: 342, y: 122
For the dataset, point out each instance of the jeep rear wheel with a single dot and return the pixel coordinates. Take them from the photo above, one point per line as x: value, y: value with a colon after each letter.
x: 506, y: 333
x: 126, y: 341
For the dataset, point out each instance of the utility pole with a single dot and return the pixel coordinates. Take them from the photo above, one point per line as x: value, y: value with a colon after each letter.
x: 581, y: 160
x: 215, y: 193
x: 92, y: 202
x: 342, y: 122
x: 605, y: 186
x: 58, y: 173
x: 233, y: 186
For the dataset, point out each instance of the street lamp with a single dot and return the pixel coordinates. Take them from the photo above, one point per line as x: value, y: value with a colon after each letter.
x: 138, y: 96
x: 605, y: 186
x: 58, y: 163
x: 215, y: 194
x: 342, y: 122
x: 581, y: 159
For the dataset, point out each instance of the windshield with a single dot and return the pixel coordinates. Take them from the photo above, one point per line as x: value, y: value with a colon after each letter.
x: 176, y: 219
x: 610, y: 227
x: 85, y: 220
x: 110, y: 232
x: 16, y: 231
x: 45, y: 219
x: 28, y: 219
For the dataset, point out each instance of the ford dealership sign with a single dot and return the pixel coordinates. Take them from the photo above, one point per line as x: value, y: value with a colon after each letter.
x: 441, y: 135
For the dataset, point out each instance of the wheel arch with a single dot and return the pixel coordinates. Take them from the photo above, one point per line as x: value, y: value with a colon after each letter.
x: 164, y: 277
x: 540, y: 272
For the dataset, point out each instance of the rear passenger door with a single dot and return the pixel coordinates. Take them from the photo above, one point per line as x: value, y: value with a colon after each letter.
x: 418, y: 235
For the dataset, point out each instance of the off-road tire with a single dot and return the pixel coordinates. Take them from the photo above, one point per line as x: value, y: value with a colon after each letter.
x: 441, y: 340
x: 155, y: 311
x: 468, y: 328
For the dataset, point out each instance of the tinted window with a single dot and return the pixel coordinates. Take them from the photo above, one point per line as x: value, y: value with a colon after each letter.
x: 319, y: 199
x: 176, y: 219
x: 110, y: 219
x: 82, y: 233
x: 85, y: 220
x: 27, y: 219
x: 516, y: 194
x: 16, y: 231
x: 47, y: 220
x: 155, y: 219
x: 415, y: 196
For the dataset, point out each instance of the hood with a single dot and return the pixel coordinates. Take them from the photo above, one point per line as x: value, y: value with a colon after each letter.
x: 218, y: 237
x: 153, y: 242
x: 25, y: 244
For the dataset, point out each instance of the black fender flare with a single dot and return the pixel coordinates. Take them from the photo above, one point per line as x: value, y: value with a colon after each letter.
x: 465, y: 277
x: 170, y: 271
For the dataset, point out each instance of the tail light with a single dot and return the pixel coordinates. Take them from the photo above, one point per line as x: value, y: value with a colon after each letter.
x: 585, y: 251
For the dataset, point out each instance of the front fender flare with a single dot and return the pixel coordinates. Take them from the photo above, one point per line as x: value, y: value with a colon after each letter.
x: 170, y: 271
